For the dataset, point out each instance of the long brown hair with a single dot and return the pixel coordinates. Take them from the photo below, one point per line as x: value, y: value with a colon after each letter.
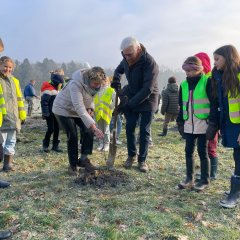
x: 230, y: 79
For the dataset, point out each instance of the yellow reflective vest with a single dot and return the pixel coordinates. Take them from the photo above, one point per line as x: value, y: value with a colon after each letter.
x: 200, y: 102
x: 103, y: 105
x: 20, y: 102
x: 234, y: 107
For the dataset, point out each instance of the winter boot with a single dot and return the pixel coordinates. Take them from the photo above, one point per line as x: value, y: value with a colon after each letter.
x: 7, y: 163
x: 45, y: 146
x: 164, y: 133
x: 1, y: 152
x: 4, y: 184
x: 213, y: 168
x: 129, y: 162
x: 72, y: 170
x: 204, y: 181
x: 5, y: 234
x: 142, y: 166
x: 55, y: 147
x: 232, y: 199
x: 188, y: 182
x: 89, y: 167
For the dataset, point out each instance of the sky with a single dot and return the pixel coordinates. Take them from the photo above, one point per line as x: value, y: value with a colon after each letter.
x: 92, y: 30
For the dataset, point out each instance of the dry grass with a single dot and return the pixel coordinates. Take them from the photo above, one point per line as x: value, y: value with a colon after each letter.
x: 45, y: 203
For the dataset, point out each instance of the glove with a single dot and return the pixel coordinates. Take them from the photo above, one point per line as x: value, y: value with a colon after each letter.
x: 23, y: 121
x: 44, y: 117
x: 211, y: 131
x: 123, y: 106
x: 116, y: 85
x: 181, y: 128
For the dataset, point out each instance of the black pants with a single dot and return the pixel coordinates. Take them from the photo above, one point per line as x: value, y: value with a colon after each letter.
x: 145, y: 125
x: 69, y: 124
x: 191, y: 140
x: 52, y: 128
x: 236, y: 157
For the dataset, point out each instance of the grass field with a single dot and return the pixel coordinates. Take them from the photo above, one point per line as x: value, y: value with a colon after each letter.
x: 45, y: 203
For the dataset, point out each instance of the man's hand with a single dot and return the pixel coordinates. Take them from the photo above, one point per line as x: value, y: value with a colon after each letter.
x: 116, y: 85
x: 211, y: 131
x: 123, y: 106
x: 23, y: 121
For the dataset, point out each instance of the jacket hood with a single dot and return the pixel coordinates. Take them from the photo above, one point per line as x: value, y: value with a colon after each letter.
x: 172, y: 87
x: 77, y: 77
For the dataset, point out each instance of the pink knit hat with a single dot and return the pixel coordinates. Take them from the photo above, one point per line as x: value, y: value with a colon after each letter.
x: 205, y: 61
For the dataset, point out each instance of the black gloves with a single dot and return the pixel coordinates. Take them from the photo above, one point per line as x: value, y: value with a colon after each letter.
x: 211, y: 131
x: 23, y: 121
x: 123, y: 106
x: 116, y: 85
x: 181, y: 128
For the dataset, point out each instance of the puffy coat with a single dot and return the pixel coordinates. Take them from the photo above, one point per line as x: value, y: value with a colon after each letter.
x: 48, y: 94
x: 74, y: 100
x: 170, y: 99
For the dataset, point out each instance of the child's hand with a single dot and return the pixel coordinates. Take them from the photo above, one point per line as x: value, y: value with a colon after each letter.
x: 238, y: 140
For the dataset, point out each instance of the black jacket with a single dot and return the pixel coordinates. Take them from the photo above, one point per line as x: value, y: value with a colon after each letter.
x: 142, y: 88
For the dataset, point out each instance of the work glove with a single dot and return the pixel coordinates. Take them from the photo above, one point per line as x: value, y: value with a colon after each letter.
x: 211, y: 131
x: 116, y: 85
x: 123, y: 106
x: 44, y: 117
x: 23, y: 121
x: 180, y: 126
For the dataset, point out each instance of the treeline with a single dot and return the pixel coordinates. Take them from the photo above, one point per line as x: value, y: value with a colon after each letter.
x: 40, y: 71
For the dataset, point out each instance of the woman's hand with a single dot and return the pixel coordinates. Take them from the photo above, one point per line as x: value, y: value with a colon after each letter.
x: 98, y: 133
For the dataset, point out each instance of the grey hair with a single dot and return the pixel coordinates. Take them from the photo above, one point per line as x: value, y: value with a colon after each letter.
x: 128, y: 42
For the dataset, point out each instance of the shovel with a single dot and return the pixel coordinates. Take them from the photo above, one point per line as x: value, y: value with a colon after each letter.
x: 1, y: 45
x: 113, y: 142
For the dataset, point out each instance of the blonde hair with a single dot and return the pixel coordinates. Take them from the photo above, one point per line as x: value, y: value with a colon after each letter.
x: 5, y: 59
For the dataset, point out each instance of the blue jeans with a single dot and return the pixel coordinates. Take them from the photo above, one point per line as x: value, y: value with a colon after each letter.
x: 145, y: 125
x: 9, y: 141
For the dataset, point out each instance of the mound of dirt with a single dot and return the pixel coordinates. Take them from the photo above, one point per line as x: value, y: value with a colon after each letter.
x: 103, y: 178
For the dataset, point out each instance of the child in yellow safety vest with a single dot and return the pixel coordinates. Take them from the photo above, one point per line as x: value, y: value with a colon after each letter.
x: 104, y: 102
x: 194, y: 100
x: 12, y: 106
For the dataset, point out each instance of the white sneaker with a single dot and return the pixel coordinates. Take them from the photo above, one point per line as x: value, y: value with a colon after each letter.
x: 118, y: 142
x: 100, y: 147
x: 106, y: 148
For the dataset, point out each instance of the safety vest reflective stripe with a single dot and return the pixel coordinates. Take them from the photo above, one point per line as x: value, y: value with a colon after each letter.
x: 201, y: 101
x: 201, y: 104
x: 103, y: 102
x: 232, y: 101
x: 201, y: 111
